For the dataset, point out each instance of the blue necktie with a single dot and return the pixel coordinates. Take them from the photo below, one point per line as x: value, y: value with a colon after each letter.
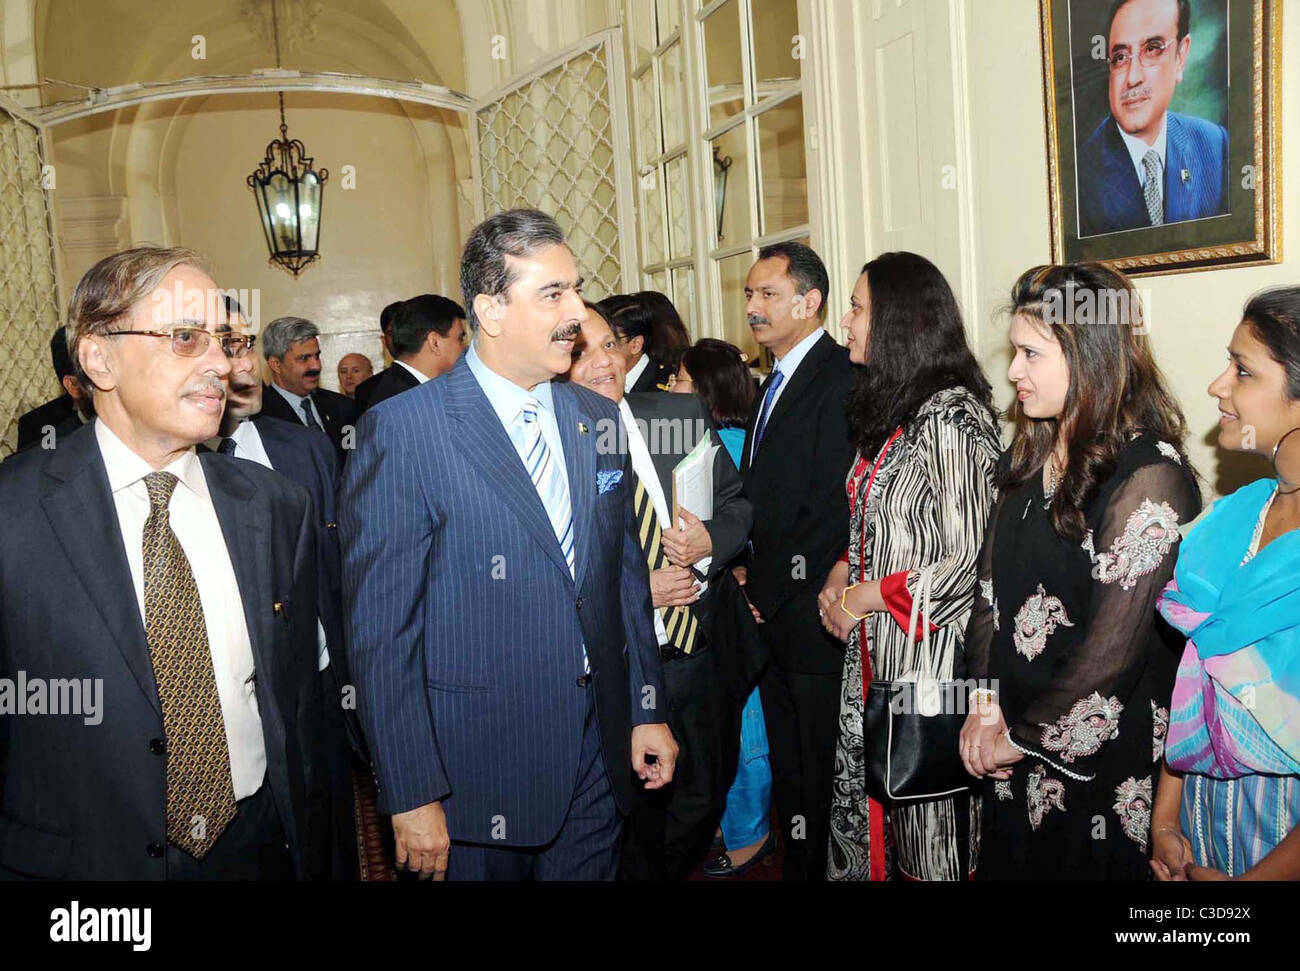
x: 549, y: 479
x: 778, y: 377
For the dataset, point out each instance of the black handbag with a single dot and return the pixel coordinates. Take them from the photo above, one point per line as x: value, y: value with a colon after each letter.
x: 911, y: 727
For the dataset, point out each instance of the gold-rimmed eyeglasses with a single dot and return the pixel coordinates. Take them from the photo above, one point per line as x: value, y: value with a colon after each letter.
x: 1149, y: 54
x: 194, y: 341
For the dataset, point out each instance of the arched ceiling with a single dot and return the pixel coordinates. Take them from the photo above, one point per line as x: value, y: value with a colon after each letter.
x: 106, y: 43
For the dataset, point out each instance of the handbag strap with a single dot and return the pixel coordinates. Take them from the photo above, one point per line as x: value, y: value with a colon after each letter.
x: 921, y: 609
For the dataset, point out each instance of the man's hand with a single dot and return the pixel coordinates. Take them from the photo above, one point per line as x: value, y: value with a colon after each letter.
x: 658, y: 741
x: 742, y: 576
x: 690, y: 544
x: 673, y: 586
x: 423, y: 845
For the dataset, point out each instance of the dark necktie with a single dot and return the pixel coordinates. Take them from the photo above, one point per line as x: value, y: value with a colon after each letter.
x: 778, y: 378
x: 226, y: 446
x: 200, y: 791
x: 680, y: 622
x: 305, y: 404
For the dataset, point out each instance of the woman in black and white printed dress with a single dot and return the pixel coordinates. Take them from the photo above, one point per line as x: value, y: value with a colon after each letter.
x: 1081, y: 541
x: 919, y: 495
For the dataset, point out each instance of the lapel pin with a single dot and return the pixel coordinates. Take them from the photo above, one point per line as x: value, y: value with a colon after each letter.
x: 582, y: 427
x: 278, y: 608
x: 1187, y: 176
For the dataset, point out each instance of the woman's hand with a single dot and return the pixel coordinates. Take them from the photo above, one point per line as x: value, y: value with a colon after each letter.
x: 983, y: 747
x: 1171, y: 853
x: 673, y: 586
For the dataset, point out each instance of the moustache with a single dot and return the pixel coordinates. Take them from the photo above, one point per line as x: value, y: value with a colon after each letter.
x: 210, y: 385
x: 755, y: 319
x: 311, y: 374
x: 1136, y: 95
x: 567, y: 333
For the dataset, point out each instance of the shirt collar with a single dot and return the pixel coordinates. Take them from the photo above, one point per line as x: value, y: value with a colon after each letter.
x: 244, y: 432
x: 506, y: 397
x: 125, y: 468
x: 633, y: 375
x: 794, y: 357
x: 415, y: 372
x: 295, y: 400
x: 1137, y: 148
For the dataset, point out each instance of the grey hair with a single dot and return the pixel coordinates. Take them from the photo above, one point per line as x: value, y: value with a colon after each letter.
x: 483, y: 266
x: 283, y: 332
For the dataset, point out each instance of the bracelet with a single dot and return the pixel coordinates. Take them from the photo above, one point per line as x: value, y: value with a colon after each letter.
x: 844, y: 594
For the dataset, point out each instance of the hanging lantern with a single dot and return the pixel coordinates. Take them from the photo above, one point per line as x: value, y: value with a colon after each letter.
x: 289, y: 192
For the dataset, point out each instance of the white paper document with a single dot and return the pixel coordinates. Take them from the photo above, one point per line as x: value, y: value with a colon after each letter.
x: 693, y: 481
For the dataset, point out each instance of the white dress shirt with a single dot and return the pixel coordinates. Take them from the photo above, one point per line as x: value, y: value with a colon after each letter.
x: 193, y: 519
x: 786, y: 365
x: 295, y: 402
x: 1137, y: 150
x: 507, y: 400
x: 634, y: 374
x: 416, y: 373
x: 248, y: 445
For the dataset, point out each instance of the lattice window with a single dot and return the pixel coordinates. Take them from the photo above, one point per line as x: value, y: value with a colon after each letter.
x: 29, y: 310
x: 553, y: 141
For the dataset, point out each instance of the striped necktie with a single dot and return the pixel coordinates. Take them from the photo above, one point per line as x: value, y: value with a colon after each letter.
x: 549, y: 480
x: 680, y: 622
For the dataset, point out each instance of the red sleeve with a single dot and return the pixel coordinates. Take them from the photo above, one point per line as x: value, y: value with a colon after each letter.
x: 893, y: 589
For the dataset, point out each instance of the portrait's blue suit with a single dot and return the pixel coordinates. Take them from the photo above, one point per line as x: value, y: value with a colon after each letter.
x: 465, y: 629
x: 1110, y: 193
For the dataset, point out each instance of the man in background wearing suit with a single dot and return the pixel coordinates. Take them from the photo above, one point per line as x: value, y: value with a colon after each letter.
x: 179, y: 589
x: 428, y: 336
x: 293, y: 451
x: 498, y: 606
x: 354, y: 368
x: 670, y: 829
x: 59, y: 415
x: 797, y: 454
x: 1146, y: 165
x: 367, y: 387
x: 292, y: 349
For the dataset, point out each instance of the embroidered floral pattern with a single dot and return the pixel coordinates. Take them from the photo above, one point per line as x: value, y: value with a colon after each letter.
x: 1169, y: 452
x: 1080, y: 732
x: 1148, y: 535
x: 986, y: 591
x: 1087, y: 545
x: 1133, y: 807
x: 1003, y: 789
x: 1036, y: 620
x: 1041, y: 794
x: 1159, y: 729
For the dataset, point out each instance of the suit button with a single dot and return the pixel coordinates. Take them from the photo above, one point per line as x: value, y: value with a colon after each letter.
x: 156, y: 746
x: 155, y: 850
x: 578, y: 603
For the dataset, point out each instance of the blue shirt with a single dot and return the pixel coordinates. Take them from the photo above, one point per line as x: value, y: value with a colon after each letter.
x: 295, y: 402
x: 507, y: 400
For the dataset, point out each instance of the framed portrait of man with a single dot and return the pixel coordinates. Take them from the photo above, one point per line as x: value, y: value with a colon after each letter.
x: 1164, y: 146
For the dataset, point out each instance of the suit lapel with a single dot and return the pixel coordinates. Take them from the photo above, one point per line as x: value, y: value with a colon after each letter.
x: 484, y: 443
x: 795, y: 387
x: 1179, y: 195
x: 83, y: 516
x: 580, y: 462
x: 1124, y: 196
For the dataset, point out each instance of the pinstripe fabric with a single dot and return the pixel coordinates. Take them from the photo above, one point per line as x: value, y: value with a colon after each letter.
x: 466, y: 627
x: 928, y: 507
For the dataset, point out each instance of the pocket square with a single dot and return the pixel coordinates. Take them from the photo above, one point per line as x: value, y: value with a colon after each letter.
x: 607, y: 480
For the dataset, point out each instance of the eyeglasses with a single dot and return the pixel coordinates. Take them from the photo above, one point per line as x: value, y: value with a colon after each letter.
x: 1150, y: 52
x: 194, y: 341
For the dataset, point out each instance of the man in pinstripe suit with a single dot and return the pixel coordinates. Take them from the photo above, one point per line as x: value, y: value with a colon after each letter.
x: 500, y: 629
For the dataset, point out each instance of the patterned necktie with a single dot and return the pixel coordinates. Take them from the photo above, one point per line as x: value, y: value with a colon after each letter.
x: 680, y: 622
x: 305, y: 405
x: 549, y: 479
x: 778, y: 378
x: 200, y: 792
x: 226, y: 446
x: 1155, y: 205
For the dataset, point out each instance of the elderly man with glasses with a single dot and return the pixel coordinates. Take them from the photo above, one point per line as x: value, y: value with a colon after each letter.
x: 162, y: 603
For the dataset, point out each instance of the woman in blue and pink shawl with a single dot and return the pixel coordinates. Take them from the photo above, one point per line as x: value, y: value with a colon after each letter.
x: 1228, y: 805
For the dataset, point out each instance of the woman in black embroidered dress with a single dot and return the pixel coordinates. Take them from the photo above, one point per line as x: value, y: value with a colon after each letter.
x: 1080, y: 542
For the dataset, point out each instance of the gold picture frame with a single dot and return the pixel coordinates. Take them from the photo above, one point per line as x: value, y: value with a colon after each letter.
x: 1248, y: 231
